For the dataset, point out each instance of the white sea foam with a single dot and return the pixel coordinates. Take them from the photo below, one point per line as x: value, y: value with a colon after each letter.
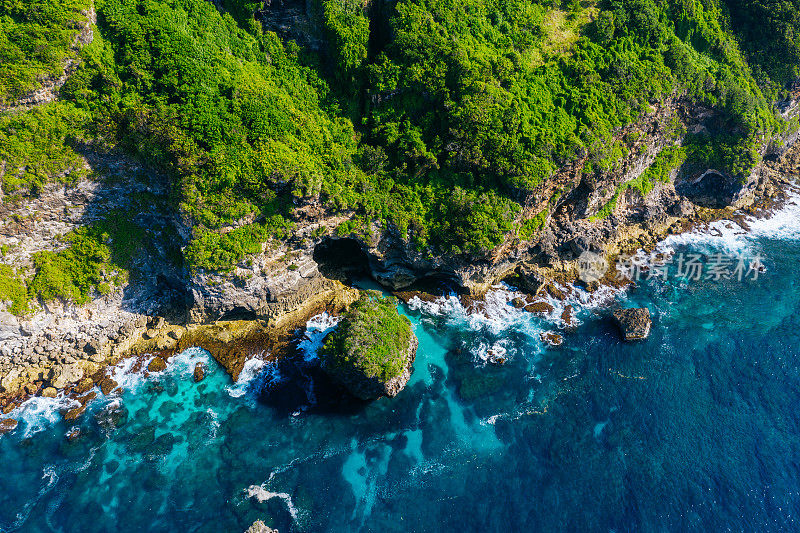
x: 317, y: 328
x: 214, y: 422
x: 784, y: 223
x: 728, y: 236
x: 38, y: 413
x: 252, y: 377
x: 125, y: 378
x: 495, y: 316
x: 261, y: 494
x: 719, y: 236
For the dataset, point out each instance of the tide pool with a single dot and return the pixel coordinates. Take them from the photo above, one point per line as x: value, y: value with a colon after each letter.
x: 696, y: 428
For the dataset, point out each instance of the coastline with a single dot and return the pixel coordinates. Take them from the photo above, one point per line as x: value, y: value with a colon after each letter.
x: 257, y: 308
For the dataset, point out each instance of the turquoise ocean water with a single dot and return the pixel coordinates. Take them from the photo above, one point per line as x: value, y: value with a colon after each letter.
x: 697, y: 428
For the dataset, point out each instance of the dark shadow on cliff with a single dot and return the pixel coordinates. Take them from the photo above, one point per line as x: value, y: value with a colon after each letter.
x: 136, y: 210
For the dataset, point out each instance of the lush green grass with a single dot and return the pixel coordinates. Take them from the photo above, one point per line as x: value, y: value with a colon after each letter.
x: 373, y: 339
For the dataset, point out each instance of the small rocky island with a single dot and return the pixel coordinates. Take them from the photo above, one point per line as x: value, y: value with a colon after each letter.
x: 634, y: 324
x: 372, y: 350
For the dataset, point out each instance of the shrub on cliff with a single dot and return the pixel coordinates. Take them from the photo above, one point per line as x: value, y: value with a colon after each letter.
x: 373, y: 340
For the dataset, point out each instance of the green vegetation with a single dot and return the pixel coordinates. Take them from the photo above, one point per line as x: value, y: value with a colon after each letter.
x: 72, y: 274
x: 37, y: 147
x: 437, y: 117
x: 532, y: 226
x: 36, y: 37
x: 372, y: 339
x: 658, y: 172
x: 14, y: 290
x: 215, y: 251
x: 768, y: 31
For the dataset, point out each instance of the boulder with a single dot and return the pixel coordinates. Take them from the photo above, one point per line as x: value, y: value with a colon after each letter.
x: 157, y: 365
x: 68, y: 374
x: 551, y: 338
x: 633, y: 323
x: 528, y: 279
x: 199, y: 372
x: 540, y: 307
x: 7, y: 424
x: 107, y: 384
x: 260, y: 527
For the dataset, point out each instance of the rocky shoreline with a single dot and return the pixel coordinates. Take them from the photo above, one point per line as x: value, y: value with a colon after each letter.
x: 258, y: 306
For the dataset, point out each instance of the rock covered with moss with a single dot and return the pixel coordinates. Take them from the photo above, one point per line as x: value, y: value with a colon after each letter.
x: 372, y: 350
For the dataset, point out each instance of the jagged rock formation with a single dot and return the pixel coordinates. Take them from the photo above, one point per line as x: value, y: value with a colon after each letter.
x: 260, y: 527
x: 633, y: 323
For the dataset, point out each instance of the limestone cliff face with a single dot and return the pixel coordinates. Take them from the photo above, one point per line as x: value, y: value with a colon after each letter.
x: 60, y: 342
x: 571, y: 202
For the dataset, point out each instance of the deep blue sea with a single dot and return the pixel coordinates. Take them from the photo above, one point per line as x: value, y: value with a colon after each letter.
x: 697, y: 428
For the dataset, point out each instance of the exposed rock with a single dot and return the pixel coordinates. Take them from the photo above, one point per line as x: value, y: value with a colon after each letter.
x: 260, y: 527
x: 529, y: 279
x: 199, y: 372
x: 67, y: 375
x: 539, y: 307
x: 157, y: 365
x: 84, y: 385
x: 7, y: 424
x: 633, y: 323
x: 551, y: 338
x: 75, y: 412
x: 518, y: 302
x: 568, y: 317
x: 49, y: 392
x: 107, y: 384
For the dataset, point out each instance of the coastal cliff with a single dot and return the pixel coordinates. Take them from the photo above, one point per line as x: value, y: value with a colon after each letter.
x: 151, y: 241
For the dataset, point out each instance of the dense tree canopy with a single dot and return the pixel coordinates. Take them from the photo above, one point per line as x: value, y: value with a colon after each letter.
x: 435, y: 116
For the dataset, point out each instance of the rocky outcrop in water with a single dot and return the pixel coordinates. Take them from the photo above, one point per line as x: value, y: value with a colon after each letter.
x: 633, y: 323
x: 260, y: 527
x: 372, y: 351
x: 367, y: 387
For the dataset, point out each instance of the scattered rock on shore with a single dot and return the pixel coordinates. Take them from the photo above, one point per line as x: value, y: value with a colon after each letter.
x: 542, y: 308
x: 156, y: 365
x: 633, y: 323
